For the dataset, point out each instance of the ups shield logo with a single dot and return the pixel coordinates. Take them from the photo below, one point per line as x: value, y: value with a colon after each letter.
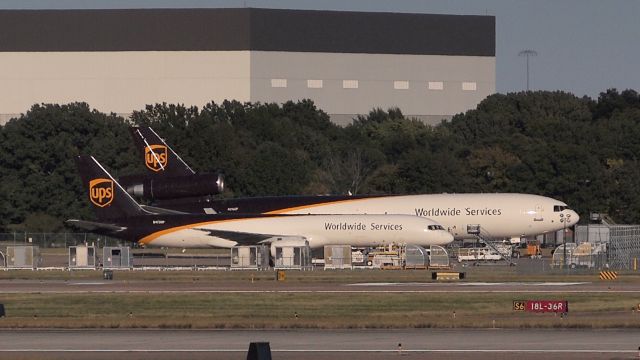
x: 101, y: 192
x: 155, y: 157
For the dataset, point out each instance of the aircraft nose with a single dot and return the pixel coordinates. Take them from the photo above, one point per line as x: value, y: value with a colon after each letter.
x: 572, y: 217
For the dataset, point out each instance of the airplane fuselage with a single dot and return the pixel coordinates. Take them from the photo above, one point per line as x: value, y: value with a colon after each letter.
x: 499, y: 215
x: 201, y: 231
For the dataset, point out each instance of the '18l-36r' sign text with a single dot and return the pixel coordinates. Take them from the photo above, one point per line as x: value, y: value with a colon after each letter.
x: 557, y: 306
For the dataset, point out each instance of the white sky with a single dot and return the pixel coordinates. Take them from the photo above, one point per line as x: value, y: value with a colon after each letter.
x: 584, y: 46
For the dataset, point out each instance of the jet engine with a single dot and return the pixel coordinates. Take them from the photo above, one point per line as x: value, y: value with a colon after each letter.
x: 174, y: 187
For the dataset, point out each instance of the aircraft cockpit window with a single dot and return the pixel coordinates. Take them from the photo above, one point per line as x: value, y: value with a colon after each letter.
x: 435, y: 227
x: 559, y: 208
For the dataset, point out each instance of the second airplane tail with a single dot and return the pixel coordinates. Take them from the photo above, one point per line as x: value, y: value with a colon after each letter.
x: 108, y: 199
x: 159, y: 158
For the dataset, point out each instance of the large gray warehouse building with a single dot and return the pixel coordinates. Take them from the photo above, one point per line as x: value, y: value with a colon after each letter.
x: 430, y: 66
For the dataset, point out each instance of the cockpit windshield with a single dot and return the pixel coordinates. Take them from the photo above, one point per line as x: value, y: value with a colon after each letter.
x: 435, y: 227
x: 559, y: 208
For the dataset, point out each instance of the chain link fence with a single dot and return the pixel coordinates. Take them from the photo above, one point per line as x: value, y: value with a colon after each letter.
x: 58, y: 240
x: 624, y: 247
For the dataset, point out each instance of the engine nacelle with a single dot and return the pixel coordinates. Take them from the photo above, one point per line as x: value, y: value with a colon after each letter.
x: 174, y: 187
x: 286, y: 241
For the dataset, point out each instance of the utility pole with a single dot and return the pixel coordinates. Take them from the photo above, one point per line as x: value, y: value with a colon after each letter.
x: 527, y: 54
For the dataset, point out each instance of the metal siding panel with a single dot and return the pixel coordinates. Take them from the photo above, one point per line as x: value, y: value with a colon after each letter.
x: 124, y: 30
x: 375, y: 75
x: 124, y: 81
x: 246, y: 29
x: 372, y: 33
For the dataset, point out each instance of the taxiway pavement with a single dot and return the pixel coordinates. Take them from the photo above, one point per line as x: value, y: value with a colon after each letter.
x: 139, y: 286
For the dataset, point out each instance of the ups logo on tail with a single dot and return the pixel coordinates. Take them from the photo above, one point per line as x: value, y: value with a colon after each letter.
x: 101, y: 192
x: 155, y: 157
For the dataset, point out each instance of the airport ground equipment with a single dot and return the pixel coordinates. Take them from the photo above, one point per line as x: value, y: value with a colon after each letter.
x: 415, y: 257
x: 117, y: 257
x: 585, y: 255
x: 562, y: 255
x: 337, y: 257
x: 291, y: 255
x: 82, y: 257
x: 22, y: 257
x: 386, y: 257
x: 533, y: 249
x: 504, y: 251
x: 483, y: 254
x: 255, y: 257
x: 407, y: 257
x: 438, y: 257
x: 447, y: 275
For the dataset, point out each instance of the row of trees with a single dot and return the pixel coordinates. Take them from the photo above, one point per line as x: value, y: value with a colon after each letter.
x: 580, y: 150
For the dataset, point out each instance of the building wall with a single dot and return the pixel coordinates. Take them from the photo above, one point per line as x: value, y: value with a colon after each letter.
x: 383, y: 80
x: 123, y: 59
x: 121, y: 82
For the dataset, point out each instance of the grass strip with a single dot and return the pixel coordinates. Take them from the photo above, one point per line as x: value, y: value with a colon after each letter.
x: 277, y: 310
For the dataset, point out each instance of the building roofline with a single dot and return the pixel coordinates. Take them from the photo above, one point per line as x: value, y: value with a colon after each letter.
x: 228, y: 29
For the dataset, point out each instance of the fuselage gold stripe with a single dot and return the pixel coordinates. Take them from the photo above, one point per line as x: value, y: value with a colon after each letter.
x: 309, y: 206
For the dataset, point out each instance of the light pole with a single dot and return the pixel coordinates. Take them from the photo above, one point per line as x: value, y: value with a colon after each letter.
x: 564, y: 241
x: 528, y: 53
x: 564, y: 221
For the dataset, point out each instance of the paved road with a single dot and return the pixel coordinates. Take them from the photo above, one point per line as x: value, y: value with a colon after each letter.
x: 321, y: 344
x: 92, y: 286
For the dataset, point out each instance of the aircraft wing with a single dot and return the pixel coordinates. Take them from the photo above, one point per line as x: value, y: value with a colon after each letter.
x: 242, y: 238
x: 95, y: 226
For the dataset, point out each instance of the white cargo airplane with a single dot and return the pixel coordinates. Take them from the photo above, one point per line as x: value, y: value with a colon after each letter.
x: 499, y: 215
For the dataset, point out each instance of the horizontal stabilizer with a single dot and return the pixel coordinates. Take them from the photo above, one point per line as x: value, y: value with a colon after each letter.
x: 95, y: 226
x: 162, y: 211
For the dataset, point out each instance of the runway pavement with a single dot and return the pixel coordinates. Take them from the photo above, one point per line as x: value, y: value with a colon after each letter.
x: 138, y: 286
x: 321, y: 344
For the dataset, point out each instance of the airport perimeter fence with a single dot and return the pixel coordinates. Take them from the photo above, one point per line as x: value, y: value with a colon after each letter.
x: 622, y: 252
x: 58, y: 240
x: 586, y: 265
x: 624, y: 247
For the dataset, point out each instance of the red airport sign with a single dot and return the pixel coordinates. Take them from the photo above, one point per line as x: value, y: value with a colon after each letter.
x: 556, y: 306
